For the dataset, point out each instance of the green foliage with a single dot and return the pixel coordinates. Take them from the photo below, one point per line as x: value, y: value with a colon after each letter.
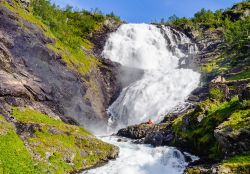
x: 112, y: 15
x: 208, y: 67
x: 235, y: 27
x: 68, y: 29
x: 238, y: 160
x: 198, y: 132
x: 61, y: 148
x: 68, y: 26
x: 237, y: 33
x: 238, y: 120
x: 14, y: 157
x: 239, y: 164
x: 216, y: 93
x: 242, y: 75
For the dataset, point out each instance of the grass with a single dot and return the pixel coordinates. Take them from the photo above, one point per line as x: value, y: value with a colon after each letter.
x: 62, y: 148
x: 238, y: 120
x: 200, y: 135
x: 75, y: 58
x: 216, y: 93
x: 208, y: 67
x: 14, y: 156
x: 239, y: 164
x: 238, y: 160
x: 242, y: 75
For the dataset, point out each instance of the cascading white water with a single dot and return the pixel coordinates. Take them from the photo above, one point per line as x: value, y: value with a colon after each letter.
x: 143, y: 159
x: 163, y: 85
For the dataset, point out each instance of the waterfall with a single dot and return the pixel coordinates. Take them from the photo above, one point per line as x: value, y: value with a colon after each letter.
x: 156, y: 51
x: 163, y: 86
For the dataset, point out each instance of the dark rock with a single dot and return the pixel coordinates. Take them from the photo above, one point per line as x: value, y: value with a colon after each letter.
x: 193, y: 98
x: 99, y: 37
x: 245, y: 95
x: 230, y: 143
x: 31, y: 71
x: 139, y: 131
x: 26, y: 130
x: 154, y: 138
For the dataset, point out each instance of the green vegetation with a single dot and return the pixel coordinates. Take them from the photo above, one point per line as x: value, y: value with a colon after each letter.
x: 216, y: 93
x: 242, y: 75
x: 71, y: 29
x: 209, y: 67
x: 239, y: 164
x: 59, y: 147
x: 67, y: 28
x: 238, y: 120
x: 198, y: 132
x: 14, y: 156
x: 238, y: 160
x: 235, y: 26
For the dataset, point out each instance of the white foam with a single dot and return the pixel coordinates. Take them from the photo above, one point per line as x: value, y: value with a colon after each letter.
x: 142, y: 159
x: 163, y: 85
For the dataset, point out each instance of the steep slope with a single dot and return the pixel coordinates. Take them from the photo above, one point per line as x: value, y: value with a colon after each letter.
x: 48, y: 74
x: 43, y: 81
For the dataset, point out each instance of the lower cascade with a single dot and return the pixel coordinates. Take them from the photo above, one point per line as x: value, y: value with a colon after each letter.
x: 159, y: 52
x: 143, y: 159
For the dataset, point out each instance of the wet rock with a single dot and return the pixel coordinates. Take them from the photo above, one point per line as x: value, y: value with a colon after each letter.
x: 193, y: 98
x: 155, y: 139
x: 233, y: 143
x: 114, y: 153
x: 99, y: 37
x: 139, y: 131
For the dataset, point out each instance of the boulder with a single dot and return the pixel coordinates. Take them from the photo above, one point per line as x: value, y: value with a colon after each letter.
x: 140, y: 131
x: 245, y: 95
x: 232, y: 141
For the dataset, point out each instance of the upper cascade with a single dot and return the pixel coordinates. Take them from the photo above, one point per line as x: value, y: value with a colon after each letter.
x: 164, y: 85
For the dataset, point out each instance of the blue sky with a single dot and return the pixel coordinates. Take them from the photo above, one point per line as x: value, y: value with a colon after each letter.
x: 138, y: 11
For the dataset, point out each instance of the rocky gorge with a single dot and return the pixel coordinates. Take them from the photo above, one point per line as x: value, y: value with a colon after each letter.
x: 47, y: 96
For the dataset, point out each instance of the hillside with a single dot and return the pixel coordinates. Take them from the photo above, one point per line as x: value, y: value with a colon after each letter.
x: 50, y: 84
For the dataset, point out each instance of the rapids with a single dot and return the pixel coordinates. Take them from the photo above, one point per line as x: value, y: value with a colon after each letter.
x: 143, y: 159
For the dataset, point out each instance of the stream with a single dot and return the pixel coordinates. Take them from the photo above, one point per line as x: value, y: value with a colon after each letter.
x: 164, y: 86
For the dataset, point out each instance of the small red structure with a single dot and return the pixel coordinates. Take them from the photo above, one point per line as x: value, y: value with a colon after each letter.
x: 150, y: 121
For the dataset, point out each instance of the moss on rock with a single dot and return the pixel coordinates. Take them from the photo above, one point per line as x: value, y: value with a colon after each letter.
x: 239, y: 164
x: 60, y: 147
x: 196, y: 128
x: 14, y: 156
x: 43, y: 144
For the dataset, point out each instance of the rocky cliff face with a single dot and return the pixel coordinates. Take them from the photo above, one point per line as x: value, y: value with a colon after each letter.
x: 32, y: 74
